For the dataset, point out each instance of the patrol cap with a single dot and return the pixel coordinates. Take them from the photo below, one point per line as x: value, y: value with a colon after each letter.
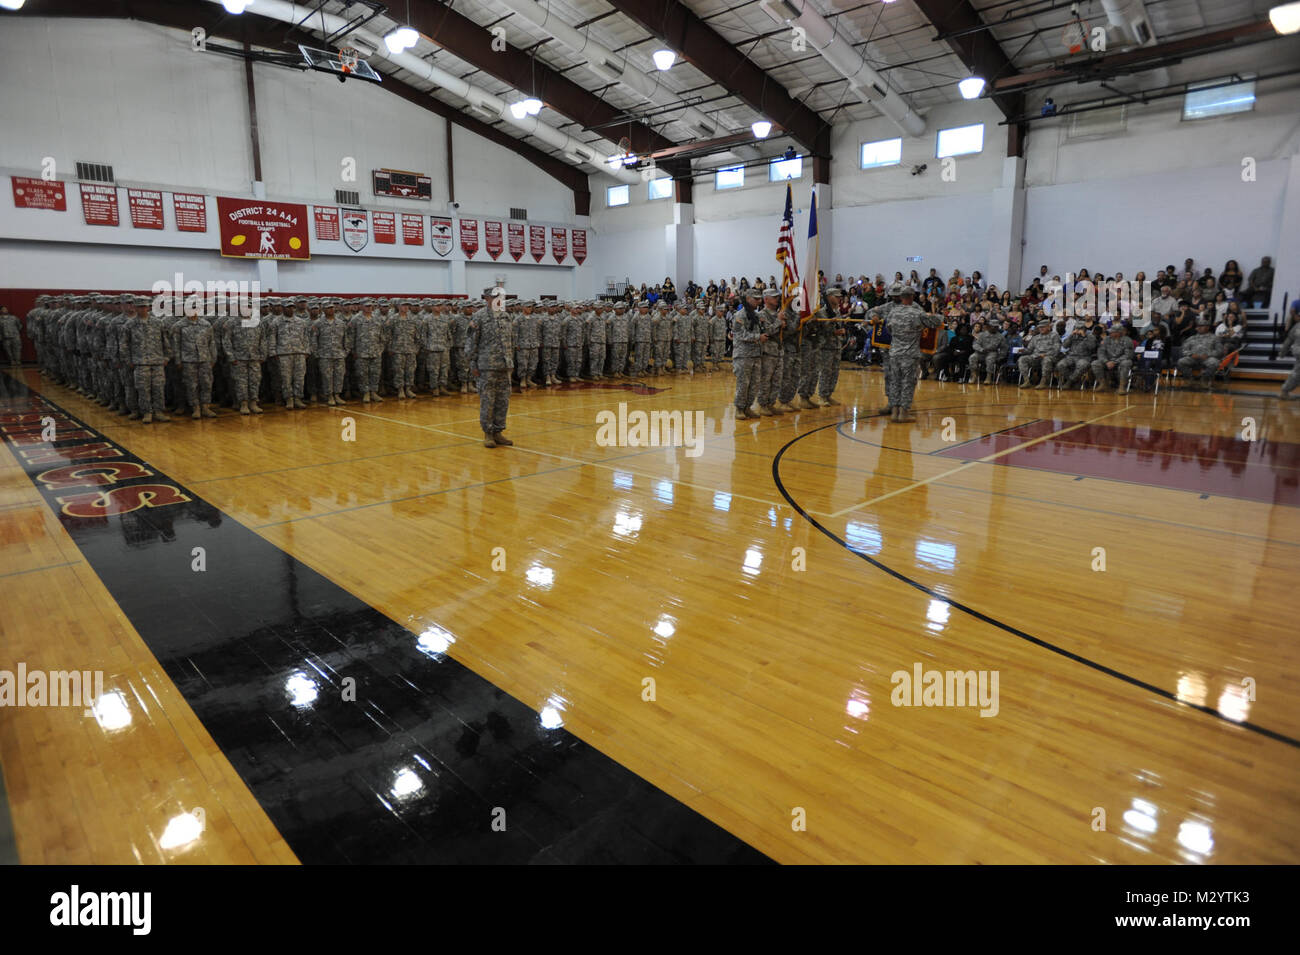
x: 775, y: 292
x: 1117, y: 327
x: 1202, y: 321
x: 906, y: 292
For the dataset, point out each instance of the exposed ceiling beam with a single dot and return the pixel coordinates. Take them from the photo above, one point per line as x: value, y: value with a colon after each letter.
x: 272, y: 34
x: 727, y: 66
x: 708, y: 147
x: 961, y: 27
x: 1138, y: 60
x: 466, y: 40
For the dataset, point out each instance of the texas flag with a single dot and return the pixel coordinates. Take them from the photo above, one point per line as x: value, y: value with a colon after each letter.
x: 811, y: 299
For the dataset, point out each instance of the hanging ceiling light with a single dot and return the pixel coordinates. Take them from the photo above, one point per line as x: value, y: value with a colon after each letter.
x: 403, y: 38
x: 971, y: 87
x: 1285, y: 17
x: 232, y: 6
x: 664, y: 59
x: 761, y: 128
x: 518, y: 110
x: 532, y: 106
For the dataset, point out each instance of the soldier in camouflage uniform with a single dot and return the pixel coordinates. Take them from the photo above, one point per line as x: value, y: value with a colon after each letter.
x: 747, y: 338
x: 489, y: 340
x: 404, y: 344
x: 292, y: 341
x: 718, y: 336
x: 620, y: 329
x: 769, y: 354
x: 330, y: 345
x: 661, y: 333
x: 987, y: 354
x: 1042, y: 350
x: 699, y: 336
x: 1114, y: 353
x: 905, y: 324
x: 597, y: 340
x: 367, y: 338
x: 788, y: 372
x: 150, y: 344
x: 195, y: 352
x: 832, y: 347
x: 549, y: 328
x: 642, y: 332
x: 810, y: 342
x: 683, y: 331
x: 245, y: 343
x: 1201, y: 354
x: 1291, y: 346
x: 437, y: 342
x: 572, y: 330
x: 1080, y: 351
x: 459, y: 367
x: 11, y: 336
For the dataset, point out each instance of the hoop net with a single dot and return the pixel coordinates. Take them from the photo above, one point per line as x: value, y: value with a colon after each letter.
x: 1075, y: 34
x: 348, y: 58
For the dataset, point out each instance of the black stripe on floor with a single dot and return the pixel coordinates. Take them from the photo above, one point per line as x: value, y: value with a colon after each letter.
x: 260, y: 645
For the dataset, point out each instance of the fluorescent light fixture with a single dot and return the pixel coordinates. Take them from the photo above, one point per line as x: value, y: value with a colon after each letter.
x: 971, y: 87
x: 664, y: 59
x: 232, y: 6
x: 533, y: 105
x: 1285, y: 17
x: 518, y: 110
x: 403, y: 38
x: 761, y: 128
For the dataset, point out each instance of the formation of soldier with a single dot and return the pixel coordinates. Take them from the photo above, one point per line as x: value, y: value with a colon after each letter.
x: 303, y: 351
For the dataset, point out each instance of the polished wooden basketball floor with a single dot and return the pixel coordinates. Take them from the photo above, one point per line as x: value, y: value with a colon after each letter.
x: 1125, y: 564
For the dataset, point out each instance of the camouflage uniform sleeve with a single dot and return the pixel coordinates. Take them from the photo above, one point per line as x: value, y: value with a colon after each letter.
x: 471, y: 344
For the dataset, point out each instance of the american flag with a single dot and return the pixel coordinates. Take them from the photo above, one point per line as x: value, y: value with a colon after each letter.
x: 785, y: 252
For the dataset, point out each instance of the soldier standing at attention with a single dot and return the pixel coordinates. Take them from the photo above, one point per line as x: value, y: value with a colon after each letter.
x: 405, y: 345
x: 246, y: 345
x: 489, y: 341
x: 769, y: 353
x: 682, y: 332
x: 331, y: 346
x: 789, y: 370
x: 661, y: 331
x: 369, y: 336
x: 718, y: 336
x: 292, y: 342
x: 196, y: 353
x: 905, y: 324
x: 12, y: 337
x: 572, y: 332
x: 746, y: 353
x: 551, y: 326
x: 527, y: 342
x: 458, y: 369
x: 832, y: 346
x: 641, y: 338
x: 1201, y: 353
x: 619, y: 327
x: 699, y: 336
x: 150, y: 342
x: 437, y: 341
x: 597, y: 333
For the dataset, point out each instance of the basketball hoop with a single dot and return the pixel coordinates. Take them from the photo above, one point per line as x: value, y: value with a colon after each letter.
x: 348, y: 58
x: 1075, y: 35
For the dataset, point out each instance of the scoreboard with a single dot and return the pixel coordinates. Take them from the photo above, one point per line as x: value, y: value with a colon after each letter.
x: 402, y: 185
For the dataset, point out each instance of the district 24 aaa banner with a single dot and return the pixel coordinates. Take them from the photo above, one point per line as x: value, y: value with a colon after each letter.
x: 260, y: 229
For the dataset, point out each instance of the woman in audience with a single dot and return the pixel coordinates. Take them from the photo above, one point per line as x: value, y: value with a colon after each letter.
x: 1232, y: 329
x: 1231, y: 279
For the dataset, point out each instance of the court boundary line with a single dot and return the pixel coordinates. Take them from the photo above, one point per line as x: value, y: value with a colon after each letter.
x: 1002, y: 625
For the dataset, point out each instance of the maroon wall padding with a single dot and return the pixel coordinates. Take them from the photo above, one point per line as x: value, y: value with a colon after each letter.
x: 20, y: 301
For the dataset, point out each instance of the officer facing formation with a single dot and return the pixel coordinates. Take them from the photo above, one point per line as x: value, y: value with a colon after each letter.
x: 490, y: 345
x: 905, y: 323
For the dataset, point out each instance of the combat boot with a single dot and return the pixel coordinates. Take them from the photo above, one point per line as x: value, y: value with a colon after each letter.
x: 197, y: 414
x: 255, y: 408
x: 365, y: 399
x: 887, y: 410
x: 1041, y: 386
x: 464, y: 389
x: 208, y: 412
x: 243, y: 407
x: 300, y: 404
x: 161, y: 417
x: 827, y: 402
x: 816, y: 401
x: 775, y: 409
x: 905, y: 415
x: 146, y: 419
x: 764, y: 411
x: 501, y: 440
x: 489, y: 439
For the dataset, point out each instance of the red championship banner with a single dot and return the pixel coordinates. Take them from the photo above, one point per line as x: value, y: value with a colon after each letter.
x: 385, y: 226
x: 492, y: 239
x: 580, y: 245
x: 99, y: 204
x: 537, y: 242
x: 327, y: 223
x: 146, y: 208
x: 191, y: 212
x: 412, y: 229
x: 39, y: 194
x: 560, y: 244
x: 261, y: 229
x: 515, y: 232
x: 469, y: 237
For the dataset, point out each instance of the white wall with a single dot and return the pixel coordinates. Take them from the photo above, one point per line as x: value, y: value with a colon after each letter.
x: 166, y: 117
